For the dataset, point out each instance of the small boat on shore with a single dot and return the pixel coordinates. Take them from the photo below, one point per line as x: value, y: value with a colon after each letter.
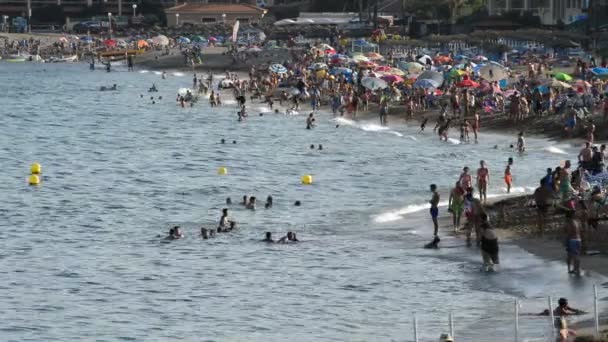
x: 62, y: 59
x: 24, y: 58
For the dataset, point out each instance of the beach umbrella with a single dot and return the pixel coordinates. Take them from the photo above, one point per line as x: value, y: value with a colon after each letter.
x: 87, y: 39
x: 109, y: 42
x: 254, y: 49
x: 325, y: 47
x: 183, y: 40
x: 294, y: 92
x: 392, y: 78
x: 184, y: 91
x: 480, y: 58
x: 431, y: 75
x: 121, y: 43
x: 373, y: 83
x: 160, y: 40
x: 395, y: 71
x: 63, y: 39
x: 455, y: 73
x: 374, y: 56
x: 278, y: 69
x: 318, y: 66
x: 425, y: 59
x: 212, y: 39
x: 553, y: 83
x: 443, y: 59
x: 321, y: 73
x: 426, y: 84
x: 142, y: 44
x: 467, y: 84
x: 382, y: 68
x: 341, y: 71
x: 492, y: 73
x: 368, y: 64
x: 460, y: 57
x: 360, y: 58
x: 560, y: 76
x: 600, y: 72
x: 411, y: 66
x: 198, y: 39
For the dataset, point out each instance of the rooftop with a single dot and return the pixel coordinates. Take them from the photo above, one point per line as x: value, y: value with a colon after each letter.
x: 215, y: 8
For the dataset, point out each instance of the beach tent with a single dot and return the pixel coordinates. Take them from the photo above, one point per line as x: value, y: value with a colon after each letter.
x: 426, y: 59
x: 373, y: 83
x: 160, y: 40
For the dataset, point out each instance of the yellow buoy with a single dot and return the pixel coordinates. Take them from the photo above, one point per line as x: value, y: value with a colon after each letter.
x: 222, y: 171
x: 307, y: 179
x: 33, y: 180
x: 36, y: 169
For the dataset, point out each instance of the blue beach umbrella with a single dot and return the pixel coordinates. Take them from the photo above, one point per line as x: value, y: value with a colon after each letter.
x: 340, y: 71
x: 183, y: 40
x: 278, y: 69
x: 600, y: 72
x: 426, y: 83
x: 87, y: 39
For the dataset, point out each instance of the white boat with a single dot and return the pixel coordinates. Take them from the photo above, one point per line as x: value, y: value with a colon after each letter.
x: 62, y: 59
x: 16, y: 58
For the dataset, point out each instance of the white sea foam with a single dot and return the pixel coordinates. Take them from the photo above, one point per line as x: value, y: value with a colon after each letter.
x: 157, y: 72
x: 144, y: 71
x: 229, y: 102
x: 453, y: 141
x: 368, y: 127
x: 178, y: 74
x: 554, y: 150
x: 398, y: 214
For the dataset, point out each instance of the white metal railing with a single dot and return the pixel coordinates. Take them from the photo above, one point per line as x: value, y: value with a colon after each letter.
x: 517, y: 332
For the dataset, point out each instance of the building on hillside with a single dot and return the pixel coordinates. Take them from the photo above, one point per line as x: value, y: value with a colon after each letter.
x: 550, y: 12
x: 197, y: 14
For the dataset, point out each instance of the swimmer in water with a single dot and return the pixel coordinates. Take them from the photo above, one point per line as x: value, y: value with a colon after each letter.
x: 320, y: 147
x: 244, y: 200
x: 521, y: 143
x: 290, y: 237
x: 204, y: 233
x: 223, y: 141
x: 251, y: 204
x: 228, y: 201
x: 224, y: 221
x: 268, y: 204
x: 297, y: 203
x: 310, y: 121
x: 312, y: 147
x: 164, y: 75
x: 268, y: 238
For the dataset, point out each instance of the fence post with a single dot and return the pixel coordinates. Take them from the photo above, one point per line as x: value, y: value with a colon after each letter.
x: 415, y: 328
x: 516, y: 320
x: 552, y: 316
x: 596, y: 312
x: 451, y: 319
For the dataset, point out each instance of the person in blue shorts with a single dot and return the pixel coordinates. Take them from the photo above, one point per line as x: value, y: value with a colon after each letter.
x: 434, y: 208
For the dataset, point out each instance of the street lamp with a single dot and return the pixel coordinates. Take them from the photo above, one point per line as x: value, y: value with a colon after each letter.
x: 176, y: 19
x: 110, y: 24
x: 224, y: 18
x: 134, y: 8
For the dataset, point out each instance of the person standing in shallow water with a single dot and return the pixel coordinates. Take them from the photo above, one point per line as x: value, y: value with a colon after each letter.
x: 434, y: 209
x: 483, y: 178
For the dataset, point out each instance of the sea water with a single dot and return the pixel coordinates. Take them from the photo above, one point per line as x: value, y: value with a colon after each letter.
x: 81, y: 258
